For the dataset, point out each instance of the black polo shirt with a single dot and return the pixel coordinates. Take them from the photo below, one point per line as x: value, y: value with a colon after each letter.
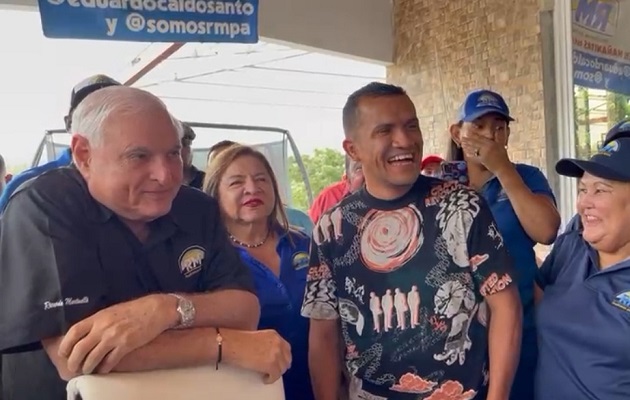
x: 64, y: 256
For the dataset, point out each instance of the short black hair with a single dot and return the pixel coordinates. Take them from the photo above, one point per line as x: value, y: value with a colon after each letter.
x: 218, y: 147
x: 3, y: 166
x: 373, y: 89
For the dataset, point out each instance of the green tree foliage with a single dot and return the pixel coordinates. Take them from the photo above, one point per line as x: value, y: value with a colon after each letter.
x: 324, y: 166
x: 16, y: 169
x: 618, y: 108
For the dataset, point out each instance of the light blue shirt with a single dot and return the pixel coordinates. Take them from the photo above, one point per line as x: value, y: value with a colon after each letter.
x: 300, y: 220
x: 64, y: 160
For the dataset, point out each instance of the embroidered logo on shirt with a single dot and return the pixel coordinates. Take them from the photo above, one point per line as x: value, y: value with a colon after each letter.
x: 502, y: 196
x: 191, y: 260
x: 622, y: 300
x: 300, y: 260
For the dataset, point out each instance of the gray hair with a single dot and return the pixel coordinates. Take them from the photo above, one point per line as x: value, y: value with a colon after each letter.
x: 90, y: 117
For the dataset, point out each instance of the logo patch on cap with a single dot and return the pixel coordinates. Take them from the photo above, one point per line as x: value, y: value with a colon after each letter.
x: 609, y: 148
x: 486, y: 100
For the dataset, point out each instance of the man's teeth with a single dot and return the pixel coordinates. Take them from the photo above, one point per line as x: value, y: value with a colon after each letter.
x: 404, y: 157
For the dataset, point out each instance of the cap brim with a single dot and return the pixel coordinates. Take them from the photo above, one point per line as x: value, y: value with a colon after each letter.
x: 575, y: 169
x: 481, y: 113
x: 84, y: 92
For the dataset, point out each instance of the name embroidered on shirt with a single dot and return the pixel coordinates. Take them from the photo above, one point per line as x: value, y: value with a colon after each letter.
x: 68, y: 301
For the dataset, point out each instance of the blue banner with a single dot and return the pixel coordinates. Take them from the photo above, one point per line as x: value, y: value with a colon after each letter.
x: 601, y: 73
x: 234, y: 21
x: 601, y: 50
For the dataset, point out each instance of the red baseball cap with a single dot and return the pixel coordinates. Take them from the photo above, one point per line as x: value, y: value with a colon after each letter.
x: 431, y: 158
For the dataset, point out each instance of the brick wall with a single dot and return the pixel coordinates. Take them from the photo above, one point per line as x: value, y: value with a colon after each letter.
x: 445, y: 48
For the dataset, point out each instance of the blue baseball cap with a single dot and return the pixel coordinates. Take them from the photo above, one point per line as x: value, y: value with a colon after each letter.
x: 610, y: 162
x: 620, y: 130
x: 481, y: 102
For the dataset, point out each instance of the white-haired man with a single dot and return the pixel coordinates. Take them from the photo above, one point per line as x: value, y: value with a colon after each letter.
x: 113, y: 265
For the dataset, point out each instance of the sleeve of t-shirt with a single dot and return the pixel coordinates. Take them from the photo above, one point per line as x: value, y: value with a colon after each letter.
x: 50, y: 276
x: 320, y: 295
x: 537, y: 182
x: 224, y: 269
x: 492, y: 266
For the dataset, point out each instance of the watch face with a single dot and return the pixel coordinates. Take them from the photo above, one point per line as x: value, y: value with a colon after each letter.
x: 187, y: 311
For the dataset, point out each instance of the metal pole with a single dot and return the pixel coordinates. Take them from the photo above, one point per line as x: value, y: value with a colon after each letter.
x: 154, y: 63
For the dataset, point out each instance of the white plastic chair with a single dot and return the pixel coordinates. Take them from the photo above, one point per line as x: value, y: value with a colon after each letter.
x: 202, y: 383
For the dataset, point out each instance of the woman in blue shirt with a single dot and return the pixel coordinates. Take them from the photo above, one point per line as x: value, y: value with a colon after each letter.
x: 584, y: 314
x: 242, y: 180
x: 521, y: 201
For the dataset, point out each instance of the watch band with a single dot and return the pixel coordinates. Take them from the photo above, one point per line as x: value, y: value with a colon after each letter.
x: 186, y: 311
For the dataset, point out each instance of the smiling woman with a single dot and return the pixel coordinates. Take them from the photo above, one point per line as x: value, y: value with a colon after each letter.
x: 243, y: 182
x: 580, y: 355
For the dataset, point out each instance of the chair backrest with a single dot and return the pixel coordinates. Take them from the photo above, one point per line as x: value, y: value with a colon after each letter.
x: 201, y: 383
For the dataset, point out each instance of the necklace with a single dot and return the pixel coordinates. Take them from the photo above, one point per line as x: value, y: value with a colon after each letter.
x: 247, y: 245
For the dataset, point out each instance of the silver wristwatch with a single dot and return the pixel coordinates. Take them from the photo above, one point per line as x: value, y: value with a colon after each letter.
x: 186, y: 310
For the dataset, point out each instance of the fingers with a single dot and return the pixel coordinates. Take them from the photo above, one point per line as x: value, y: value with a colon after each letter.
x: 279, y: 359
x: 96, y: 356
x: 111, y: 360
x: 81, y: 351
x: 77, y: 332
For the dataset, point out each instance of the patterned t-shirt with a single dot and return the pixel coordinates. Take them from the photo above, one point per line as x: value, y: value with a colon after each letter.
x: 408, y: 278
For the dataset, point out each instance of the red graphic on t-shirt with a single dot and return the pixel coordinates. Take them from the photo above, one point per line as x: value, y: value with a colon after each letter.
x: 410, y: 383
x: 452, y: 390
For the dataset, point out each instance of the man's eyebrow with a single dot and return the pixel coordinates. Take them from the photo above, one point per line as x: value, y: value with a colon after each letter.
x: 384, y: 126
x: 136, y: 150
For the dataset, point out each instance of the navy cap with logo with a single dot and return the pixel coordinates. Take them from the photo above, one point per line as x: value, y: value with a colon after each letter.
x: 610, y: 162
x: 621, y: 129
x: 482, y: 102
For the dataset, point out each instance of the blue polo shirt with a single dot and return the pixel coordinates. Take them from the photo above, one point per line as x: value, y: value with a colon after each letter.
x: 583, y: 325
x: 521, y: 248
x: 64, y: 160
x: 280, y: 303
x: 517, y: 241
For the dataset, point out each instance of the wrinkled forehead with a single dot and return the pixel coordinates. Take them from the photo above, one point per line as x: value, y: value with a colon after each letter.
x: 395, y: 110
x: 592, y: 180
x: 149, y: 127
